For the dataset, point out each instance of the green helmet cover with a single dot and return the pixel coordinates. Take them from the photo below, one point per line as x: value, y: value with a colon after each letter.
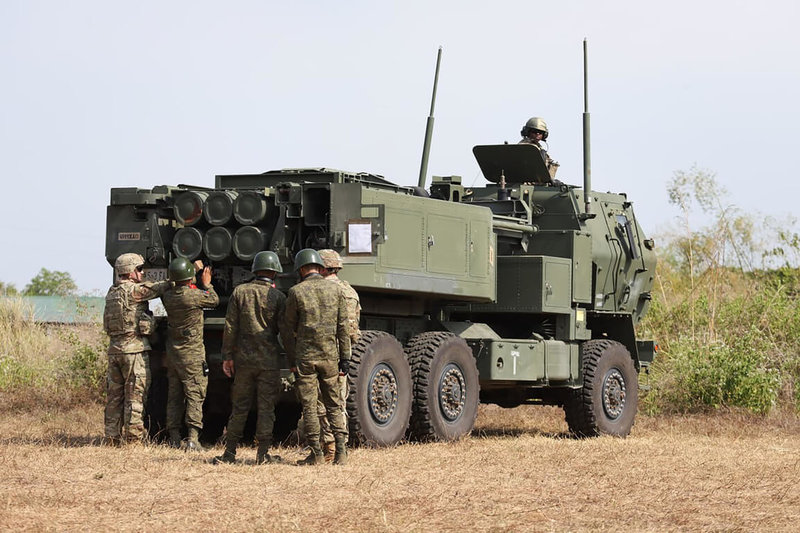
x: 266, y: 261
x: 307, y: 256
x: 180, y: 269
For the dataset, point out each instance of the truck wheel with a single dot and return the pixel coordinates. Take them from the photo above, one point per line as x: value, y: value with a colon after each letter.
x: 379, y: 401
x: 446, y: 386
x: 607, y: 402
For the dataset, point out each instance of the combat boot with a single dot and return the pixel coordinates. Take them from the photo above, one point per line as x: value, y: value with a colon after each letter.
x: 114, y: 442
x: 328, y: 450
x: 175, y: 438
x: 340, y: 456
x: 315, y: 457
x: 263, y: 457
x: 226, y: 457
x: 193, y: 442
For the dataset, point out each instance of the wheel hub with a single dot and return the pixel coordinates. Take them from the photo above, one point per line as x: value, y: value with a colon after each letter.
x: 614, y: 394
x: 452, y: 392
x: 382, y: 394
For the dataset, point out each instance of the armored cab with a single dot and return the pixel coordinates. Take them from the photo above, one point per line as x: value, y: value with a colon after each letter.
x: 510, y: 293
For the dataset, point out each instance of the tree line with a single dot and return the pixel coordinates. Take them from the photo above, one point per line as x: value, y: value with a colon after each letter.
x: 45, y: 283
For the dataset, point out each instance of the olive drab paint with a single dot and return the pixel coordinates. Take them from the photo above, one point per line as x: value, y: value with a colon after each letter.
x: 522, y: 291
x: 515, y: 271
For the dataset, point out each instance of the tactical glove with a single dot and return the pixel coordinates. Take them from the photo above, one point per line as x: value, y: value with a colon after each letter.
x: 344, y: 366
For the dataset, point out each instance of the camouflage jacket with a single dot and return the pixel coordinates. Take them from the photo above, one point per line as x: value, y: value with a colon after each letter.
x: 251, y: 325
x: 315, y: 322
x: 353, y: 308
x: 126, y: 316
x: 552, y: 166
x: 184, y: 308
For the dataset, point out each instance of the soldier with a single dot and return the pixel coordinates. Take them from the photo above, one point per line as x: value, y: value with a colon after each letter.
x: 250, y: 355
x: 315, y: 335
x: 186, y: 356
x: 333, y: 264
x: 128, y: 322
x: 534, y: 132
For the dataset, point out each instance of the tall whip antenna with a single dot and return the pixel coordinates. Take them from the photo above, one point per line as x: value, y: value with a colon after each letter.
x: 426, y: 149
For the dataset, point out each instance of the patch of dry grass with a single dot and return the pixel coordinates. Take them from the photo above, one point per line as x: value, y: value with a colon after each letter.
x: 47, y: 365
x: 518, y: 473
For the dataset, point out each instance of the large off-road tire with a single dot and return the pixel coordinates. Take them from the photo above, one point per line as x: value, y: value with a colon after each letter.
x: 607, y: 402
x: 379, y: 401
x: 446, y: 386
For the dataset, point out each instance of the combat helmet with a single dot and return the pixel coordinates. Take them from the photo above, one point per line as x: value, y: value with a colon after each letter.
x: 180, y: 269
x: 266, y: 261
x: 307, y: 256
x: 330, y: 258
x: 127, y: 263
x: 535, y: 124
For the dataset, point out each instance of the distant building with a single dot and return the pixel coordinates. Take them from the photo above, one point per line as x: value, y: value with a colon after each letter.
x: 64, y: 309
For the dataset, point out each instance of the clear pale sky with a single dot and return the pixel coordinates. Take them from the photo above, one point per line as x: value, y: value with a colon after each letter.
x: 101, y: 94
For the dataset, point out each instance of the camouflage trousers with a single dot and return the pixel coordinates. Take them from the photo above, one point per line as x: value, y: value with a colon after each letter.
x: 127, y: 381
x: 250, y: 384
x: 186, y: 393
x: 319, y: 381
x: 326, y: 433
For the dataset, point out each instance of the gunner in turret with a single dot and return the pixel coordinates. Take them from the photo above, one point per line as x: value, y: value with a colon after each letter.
x: 534, y: 132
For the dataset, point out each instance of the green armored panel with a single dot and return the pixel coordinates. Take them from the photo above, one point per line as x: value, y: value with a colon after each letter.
x: 558, y: 364
x: 533, y: 284
x: 413, y: 244
x: 406, y: 249
x: 512, y: 360
x: 481, y: 250
x: 526, y: 360
x: 582, y: 268
x: 447, y: 241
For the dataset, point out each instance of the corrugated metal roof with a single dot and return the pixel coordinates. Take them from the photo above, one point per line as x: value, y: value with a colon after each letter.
x: 66, y: 309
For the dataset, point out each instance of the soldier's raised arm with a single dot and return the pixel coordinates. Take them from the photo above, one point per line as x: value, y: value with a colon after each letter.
x: 209, y: 295
x: 149, y: 290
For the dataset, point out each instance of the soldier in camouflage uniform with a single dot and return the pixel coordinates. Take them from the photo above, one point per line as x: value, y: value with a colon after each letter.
x: 186, y: 355
x: 315, y: 335
x: 534, y: 132
x: 128, y: 322
x: 333, y: 264
x: 250, y: 353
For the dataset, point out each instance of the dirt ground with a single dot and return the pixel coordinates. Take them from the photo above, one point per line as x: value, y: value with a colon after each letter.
x: 518, y: 472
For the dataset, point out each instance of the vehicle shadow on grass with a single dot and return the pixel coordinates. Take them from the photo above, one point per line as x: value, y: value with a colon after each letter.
x: 493, y: 433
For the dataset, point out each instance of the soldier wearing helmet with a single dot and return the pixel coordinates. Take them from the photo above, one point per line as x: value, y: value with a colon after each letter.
x: 186, y: 356
x: 128, y: 322
x: 534, y: 131
x: 332, y: 262
x: 317, y: 341
x: 250, y: 352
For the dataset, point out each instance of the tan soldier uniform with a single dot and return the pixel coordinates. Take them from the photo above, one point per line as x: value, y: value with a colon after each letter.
x: 251, y: 341
x: 552, y: 165
x: 333, y: 262
x: 537, y: 126
x: 315, y: 335
x: 186, y: 355
x: 127, y: 321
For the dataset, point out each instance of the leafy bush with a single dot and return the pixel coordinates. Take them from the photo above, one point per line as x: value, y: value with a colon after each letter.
x: 728, y: 329
x: 47, y: 365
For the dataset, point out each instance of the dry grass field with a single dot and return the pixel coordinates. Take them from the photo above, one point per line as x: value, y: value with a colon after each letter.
x: 518, y: 472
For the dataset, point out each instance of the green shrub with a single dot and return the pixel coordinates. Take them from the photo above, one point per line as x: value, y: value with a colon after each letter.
x: 693, y: 377
x: 53, y: 365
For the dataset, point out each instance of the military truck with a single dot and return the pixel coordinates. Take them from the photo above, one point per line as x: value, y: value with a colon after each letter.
x: 522, y: 291
x: 510, y: 293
